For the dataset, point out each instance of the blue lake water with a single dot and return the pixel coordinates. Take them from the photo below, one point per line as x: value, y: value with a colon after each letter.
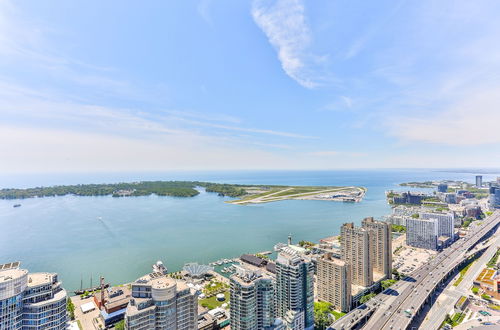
x: 120, y: 238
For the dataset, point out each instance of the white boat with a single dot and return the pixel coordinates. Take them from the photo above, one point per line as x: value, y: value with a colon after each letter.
x: 159, y: 267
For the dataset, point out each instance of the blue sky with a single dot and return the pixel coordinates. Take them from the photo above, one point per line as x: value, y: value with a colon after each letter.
x: 263, y: 84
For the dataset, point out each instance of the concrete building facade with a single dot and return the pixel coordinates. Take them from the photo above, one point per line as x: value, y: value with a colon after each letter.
x: 446, y: 222
x: 422, y: 233
x: 380, y: 245
x: 355, y: 250
x: 333, y: 283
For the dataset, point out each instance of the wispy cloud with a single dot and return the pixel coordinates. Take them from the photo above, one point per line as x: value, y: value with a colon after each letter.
x: 341, y: 104
x: 334, y: 153
x: 471, y: 121
x: 19, y: 104
x: 327, y: 153
x: 285, y: 25
x: 203, y: 9
x: 245, y: 129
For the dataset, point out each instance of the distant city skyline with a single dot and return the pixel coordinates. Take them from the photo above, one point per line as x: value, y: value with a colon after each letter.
x: 260, y: 84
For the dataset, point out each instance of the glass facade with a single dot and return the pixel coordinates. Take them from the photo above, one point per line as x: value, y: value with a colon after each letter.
x: 34, y: 301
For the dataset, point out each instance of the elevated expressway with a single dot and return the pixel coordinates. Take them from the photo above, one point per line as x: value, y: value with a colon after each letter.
x: 396, y: 307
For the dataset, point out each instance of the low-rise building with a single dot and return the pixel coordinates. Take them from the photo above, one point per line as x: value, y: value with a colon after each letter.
x: 489, y: 281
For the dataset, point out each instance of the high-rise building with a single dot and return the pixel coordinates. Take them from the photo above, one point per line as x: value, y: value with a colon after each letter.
x: 252, y: 300
x: 294, y: 320
x: 495, y: 197
x: 479, y: 181
x: 446, y: 222
x: 295, y: 288
x: 159, y: 302
x: 333, y: 283
x: 31, y: 301
x: 442, y: 187
x: 422, y: 233
x: 380, y: 246
x: 450, y: 198
x: 355, y: 250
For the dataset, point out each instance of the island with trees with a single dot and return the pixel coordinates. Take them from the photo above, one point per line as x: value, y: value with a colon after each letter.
x: 245, y: 194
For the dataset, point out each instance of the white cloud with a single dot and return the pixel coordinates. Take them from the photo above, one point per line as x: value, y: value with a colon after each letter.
x: 42, y: 150
x: 474, y: 120
x: 19, y: 104
x: 327, y: 153
x: 334, y: 153
x: 284, y: 23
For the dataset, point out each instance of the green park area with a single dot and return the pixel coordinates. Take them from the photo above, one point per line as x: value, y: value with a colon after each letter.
x: 212, y: 302
x: 323, y: 314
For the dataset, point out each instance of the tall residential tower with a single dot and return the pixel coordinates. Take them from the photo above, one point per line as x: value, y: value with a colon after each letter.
x: 31, y: 301
x: 159, y: 302
x: 355, y: 250
x: 252, y: 300
x: 295, y: 289
x: 422, y: 233
x: 334, y: 282
x: 380, y: 246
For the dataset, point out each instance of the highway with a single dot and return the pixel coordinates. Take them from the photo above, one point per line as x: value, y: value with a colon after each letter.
x: 449, y: 297
x: 395, y: 309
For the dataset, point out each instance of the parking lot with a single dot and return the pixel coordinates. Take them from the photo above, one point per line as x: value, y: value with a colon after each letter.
x: 407, y: 259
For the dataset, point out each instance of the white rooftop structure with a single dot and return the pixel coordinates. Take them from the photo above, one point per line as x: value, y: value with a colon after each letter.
x: 87, y: 307
x: 195, y: 270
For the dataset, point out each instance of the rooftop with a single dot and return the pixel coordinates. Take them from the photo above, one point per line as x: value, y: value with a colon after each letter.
x: 487, y: 275
x: 161, y: 281
x: 329, y: 257
x: 11, y: 274
x: 36, y: 279
x: 253, y: 260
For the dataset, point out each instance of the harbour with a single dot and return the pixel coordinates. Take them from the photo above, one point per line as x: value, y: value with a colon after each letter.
x: 120, y: 238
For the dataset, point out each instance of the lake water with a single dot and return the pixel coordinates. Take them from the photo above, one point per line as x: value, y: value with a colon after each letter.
x: 120, y: 238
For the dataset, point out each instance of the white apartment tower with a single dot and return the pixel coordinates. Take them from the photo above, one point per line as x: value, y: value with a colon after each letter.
x: 252, y: 300
x: 31, y: 301
x: 295, y: 289
x: 446, y: 222
x: 422, y: 233
x: 159, y: 302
